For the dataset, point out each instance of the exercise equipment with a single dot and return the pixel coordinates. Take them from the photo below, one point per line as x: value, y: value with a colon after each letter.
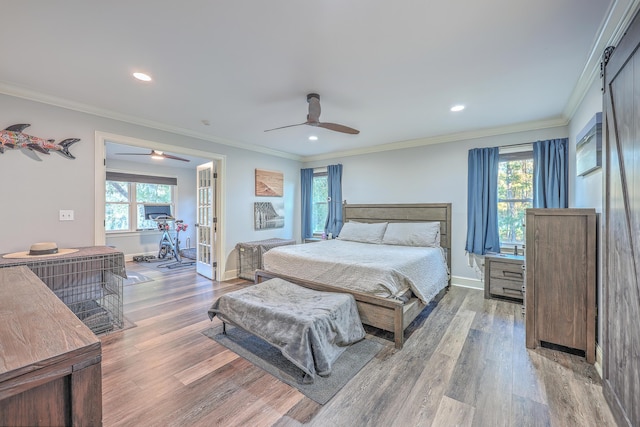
x: 168, y: 247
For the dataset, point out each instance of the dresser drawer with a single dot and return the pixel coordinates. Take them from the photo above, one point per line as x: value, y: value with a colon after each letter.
x: 506, y: 271
x: 506, y: 288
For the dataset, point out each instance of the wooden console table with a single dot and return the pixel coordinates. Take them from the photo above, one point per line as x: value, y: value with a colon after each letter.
x: 50, y: 362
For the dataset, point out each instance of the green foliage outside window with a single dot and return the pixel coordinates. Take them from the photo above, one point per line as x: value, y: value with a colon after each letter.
x: 515, y: 195
x: 320, y: 206
x: 117, y: 217
x: 151, y: 194
x: 117, y: 192
x: 117, y: 206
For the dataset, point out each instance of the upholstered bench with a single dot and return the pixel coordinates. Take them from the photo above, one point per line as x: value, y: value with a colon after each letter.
x: 309, y: 327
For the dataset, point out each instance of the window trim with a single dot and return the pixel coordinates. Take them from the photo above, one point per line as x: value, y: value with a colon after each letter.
x: 319, y: 172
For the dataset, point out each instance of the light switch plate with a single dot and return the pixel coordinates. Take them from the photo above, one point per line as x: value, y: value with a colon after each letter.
x: 66, y: 215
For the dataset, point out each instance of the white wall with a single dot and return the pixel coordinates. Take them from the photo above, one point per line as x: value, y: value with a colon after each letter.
x: 428, y: 174
x: 241, y: 197
x: 32, y: 193
x: 587, y: 190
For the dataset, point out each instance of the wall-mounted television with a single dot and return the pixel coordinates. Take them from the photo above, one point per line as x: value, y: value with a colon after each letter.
x: 157, y: 212
x: 589, y: 146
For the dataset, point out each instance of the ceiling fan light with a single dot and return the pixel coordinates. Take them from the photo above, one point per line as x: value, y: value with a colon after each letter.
x: 142, y: 76
x: 157, y: 155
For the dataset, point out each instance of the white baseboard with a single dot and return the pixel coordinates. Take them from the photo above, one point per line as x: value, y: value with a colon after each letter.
x: 466, y: 282
x: 129, y: 257
x: 598, y: 364
x: 229, y: 275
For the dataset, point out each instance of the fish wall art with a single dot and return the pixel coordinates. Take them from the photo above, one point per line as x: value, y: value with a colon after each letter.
x: 13, y: 138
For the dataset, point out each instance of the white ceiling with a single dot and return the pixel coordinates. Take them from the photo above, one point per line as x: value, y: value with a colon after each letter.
x: 390, y: 69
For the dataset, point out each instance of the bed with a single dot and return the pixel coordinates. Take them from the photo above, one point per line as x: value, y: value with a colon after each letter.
x: 395, y: 296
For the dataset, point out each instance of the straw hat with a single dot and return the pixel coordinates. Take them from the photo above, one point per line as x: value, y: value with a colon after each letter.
x: 39, y: 250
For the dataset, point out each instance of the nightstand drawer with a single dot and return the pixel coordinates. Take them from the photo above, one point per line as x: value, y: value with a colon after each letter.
x: 507, y: 271
x: 506, y: 288
x: 504, y: 276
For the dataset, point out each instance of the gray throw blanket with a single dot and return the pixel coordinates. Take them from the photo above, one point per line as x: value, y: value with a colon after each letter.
x: 310, y: 328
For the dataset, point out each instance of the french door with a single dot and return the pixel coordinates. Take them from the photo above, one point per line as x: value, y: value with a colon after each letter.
x: 206, y: 221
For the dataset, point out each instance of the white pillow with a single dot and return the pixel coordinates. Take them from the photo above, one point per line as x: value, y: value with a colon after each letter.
x: 363, y: 232
x: 412, y: 234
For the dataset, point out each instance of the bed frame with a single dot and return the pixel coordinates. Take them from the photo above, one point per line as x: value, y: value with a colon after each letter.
x: 384, y: 313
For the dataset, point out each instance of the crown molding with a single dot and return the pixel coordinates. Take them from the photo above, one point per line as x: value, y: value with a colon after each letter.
x: 452, y: 137
x: 613, y: 27
x: 28, y: 94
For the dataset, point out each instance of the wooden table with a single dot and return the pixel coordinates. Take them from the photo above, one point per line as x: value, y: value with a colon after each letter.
x: 50, y: 362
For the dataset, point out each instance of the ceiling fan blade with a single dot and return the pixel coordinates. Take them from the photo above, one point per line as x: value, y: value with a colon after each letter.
x: 290, y: 126
x: 169, y: 156
x: 313, y: 118
x: 338, y: 128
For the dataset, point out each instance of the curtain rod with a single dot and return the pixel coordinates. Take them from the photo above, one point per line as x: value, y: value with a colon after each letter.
x: 522, y: 144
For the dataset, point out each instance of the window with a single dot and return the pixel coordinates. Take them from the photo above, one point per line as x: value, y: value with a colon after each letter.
x: 320, y: 205
x: 125, y: 200
x: 515, y: 195
x: 153, y: 194
x: 117, y: 206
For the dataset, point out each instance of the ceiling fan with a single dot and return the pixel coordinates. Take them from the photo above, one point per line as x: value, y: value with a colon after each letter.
x: 155, y: 154
x: 313, y: 118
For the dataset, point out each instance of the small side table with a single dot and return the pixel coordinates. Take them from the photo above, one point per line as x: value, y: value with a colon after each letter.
x: 504, y: 276
x: 250, y: 255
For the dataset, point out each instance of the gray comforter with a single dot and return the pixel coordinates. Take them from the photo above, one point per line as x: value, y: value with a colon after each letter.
x: 382, y: 270
x: 310, y: 328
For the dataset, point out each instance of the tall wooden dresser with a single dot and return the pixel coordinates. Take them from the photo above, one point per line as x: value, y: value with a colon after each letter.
x: 560, y: 276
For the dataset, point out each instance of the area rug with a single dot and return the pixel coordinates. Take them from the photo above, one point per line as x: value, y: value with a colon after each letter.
x: 133, y: 278
x: 269, y: 358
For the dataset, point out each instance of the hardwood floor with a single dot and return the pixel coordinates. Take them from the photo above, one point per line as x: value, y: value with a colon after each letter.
x: 464, y: 364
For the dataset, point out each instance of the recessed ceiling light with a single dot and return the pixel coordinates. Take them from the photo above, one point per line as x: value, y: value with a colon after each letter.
x: 313, y: 138
x: 142, y: 76
x: 457, y: 108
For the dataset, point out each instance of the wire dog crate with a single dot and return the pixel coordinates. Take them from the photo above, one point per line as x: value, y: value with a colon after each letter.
x: 89, y: 282
x: 250, y: 255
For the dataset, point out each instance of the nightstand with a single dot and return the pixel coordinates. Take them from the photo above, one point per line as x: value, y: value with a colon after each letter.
x: 504, y: 276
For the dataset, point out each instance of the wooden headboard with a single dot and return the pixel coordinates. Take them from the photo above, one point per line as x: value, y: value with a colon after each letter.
x: 412, y: 212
